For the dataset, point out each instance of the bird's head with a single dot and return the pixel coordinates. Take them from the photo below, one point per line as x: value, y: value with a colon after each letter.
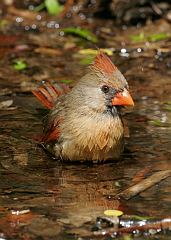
x: 104, y: 88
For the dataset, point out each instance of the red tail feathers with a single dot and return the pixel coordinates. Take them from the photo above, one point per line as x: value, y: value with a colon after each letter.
x: 48, y: 93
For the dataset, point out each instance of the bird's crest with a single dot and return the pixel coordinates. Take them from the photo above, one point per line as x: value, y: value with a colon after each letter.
x: 103, y: 63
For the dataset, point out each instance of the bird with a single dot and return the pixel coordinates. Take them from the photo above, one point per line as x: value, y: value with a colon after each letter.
x: 84, y: 123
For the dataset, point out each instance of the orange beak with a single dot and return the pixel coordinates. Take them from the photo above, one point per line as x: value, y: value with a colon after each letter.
x: 123, y: 99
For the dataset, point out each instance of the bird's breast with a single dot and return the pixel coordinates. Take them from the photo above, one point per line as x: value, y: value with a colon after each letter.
x: 95, y: 139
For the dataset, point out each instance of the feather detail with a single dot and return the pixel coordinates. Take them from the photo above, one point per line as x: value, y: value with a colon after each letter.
x: 47, y: 94
x: 103, y: 63
x: 53, y: 132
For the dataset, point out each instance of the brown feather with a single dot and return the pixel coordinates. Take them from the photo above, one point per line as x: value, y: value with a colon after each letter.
x: 103, y: 63
x: 47, y: 94
x: 53, y: 132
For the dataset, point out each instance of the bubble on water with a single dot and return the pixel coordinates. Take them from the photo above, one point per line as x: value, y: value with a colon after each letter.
x: 56, y: 25
x: 19, y: 19
x: 147, y: 44
x: 163, y: 118
x: 144, y: 98
x: 82, y: 16
x: 33, y: 26
x: 27, y: 28
x: 31, y: 7
x: 38, y: 17
x: 68, y: 15
x: 139, y: 50
x: 61, y: 33
x: 52, y: 24
x: 124, y: 52
x: 152, y: 231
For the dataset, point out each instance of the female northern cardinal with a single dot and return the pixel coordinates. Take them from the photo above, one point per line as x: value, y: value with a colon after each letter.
x: 84, y: 124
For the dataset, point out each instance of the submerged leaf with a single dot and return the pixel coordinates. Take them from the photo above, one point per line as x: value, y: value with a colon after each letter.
x: 127, y: 237
x: 156, y: 122
x: 3, y: 24
x: 167, y: 106
x: 81, y: 32
x: 19, y: 65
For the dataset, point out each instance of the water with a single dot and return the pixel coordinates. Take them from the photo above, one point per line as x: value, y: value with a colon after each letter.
x: 62, y: 200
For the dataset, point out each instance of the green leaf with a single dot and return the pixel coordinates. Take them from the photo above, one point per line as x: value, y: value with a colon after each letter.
x: 168, y: 102
x: 82, y: 33
x: 167, y: 107
x: 3, y: 24
x: 39, y: 7
x: 66, y: 81
x: 157, y: 37
x: 90, y: 51
x: 141, y: 218
x: 87, y: 60
x: 156, y: 122
x: 151, y: 38
x: 19, y: 65
x: 53, y: 7
x: 138, y: 38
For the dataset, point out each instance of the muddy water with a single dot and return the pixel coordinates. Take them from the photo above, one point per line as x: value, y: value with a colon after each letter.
x: 62, y: 200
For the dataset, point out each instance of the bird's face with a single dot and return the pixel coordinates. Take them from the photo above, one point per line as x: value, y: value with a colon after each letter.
x: 115, y: 91
x: 104, y: 88
x: 105, y: 93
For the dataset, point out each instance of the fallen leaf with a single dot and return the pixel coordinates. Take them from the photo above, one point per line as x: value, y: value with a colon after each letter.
x: 6, y: 104
x: 111, y: 212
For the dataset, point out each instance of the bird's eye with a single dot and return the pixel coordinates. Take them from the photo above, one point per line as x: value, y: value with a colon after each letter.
x: 105, y: 89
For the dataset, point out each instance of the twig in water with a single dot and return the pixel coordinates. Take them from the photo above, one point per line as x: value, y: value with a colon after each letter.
x: 144, y: 184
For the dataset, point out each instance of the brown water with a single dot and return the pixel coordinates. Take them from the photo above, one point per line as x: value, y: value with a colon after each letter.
x: 62, y: 200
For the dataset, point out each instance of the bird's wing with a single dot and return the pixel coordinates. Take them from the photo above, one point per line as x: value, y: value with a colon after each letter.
x: 52, y: 131
x: 47, y: 94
